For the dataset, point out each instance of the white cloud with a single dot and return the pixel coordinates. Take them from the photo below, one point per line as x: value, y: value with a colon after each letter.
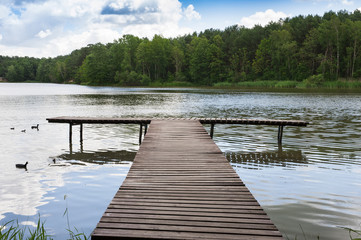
x: 346, y: 2
x: 4, y: 12
x: 262, y: 18
x: 1, y: 37
x: 49, y: 28
x: 190, y: 13
x: 44, y: 34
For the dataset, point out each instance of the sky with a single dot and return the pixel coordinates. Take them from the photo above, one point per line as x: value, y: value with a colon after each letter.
x: 49, y: 28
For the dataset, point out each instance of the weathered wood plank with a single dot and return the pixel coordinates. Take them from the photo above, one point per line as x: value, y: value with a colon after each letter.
x: 105, y: 234
x: 179, y: 222
x: 100, y: 120
x: 180, y: 186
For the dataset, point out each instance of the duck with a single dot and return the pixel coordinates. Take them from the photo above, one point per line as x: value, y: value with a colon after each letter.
x: 22, y: 165
x: 23, y: 130
x: 35, y: 127
x: 12, y: 128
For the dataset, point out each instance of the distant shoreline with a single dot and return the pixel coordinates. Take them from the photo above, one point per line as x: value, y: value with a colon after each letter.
x: 257, y: 86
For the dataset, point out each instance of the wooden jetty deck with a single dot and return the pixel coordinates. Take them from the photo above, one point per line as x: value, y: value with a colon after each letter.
x: 180, y: 186
x: 146, y: 121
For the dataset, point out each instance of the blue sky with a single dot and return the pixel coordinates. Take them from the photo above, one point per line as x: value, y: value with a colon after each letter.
x: 48, y: 28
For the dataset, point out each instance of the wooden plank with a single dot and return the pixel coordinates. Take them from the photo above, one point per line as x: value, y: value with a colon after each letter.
x: 180, y: 186
x: 105, y: 234
x: 99, y: 120
x: 178, y: 222
x: 184, y: 228
x: 168, y: 217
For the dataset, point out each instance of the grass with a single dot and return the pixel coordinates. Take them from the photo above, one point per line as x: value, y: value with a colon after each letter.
x: 12, y: 230
x: 171, y: 84
x: 340, y: 84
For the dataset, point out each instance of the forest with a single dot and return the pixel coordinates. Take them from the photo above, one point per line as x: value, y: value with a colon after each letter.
x: 309, y: 50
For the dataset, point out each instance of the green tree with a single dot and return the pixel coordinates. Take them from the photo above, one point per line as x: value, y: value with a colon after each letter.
x: 178, y: 60
x: 200, y: 59
x: 42, y: 73
x: 96, y: 67
x: 144, y: 57
x: 12, y: 74
x: 217, y: 65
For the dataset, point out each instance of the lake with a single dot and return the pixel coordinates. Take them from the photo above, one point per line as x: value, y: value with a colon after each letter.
x: 310, y: 188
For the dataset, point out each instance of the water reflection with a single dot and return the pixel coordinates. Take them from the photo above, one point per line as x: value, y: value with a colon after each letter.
x: 86, y: 179
x: 259, y: 160
x: 106, y: 157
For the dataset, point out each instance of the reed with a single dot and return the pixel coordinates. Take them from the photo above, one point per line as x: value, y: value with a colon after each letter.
x: 354, y: 234
x: 13, y: 231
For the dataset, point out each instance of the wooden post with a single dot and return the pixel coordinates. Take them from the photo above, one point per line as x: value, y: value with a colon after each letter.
x: 145, y: 129
x: 81, y: 133
x: 212, y: 130
x: 140, y: 133
x: 280, y: 133
x: 71, y: 138
x: 70, y: 133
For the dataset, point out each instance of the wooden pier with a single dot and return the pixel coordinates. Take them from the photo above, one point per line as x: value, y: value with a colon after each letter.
x: 180, y: 186
x: 144, y: 122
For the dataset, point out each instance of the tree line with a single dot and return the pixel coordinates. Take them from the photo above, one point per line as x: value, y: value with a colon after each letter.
x: 314, y: 48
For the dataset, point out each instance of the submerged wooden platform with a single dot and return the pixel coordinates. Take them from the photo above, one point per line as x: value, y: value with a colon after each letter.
x: 180, y: 186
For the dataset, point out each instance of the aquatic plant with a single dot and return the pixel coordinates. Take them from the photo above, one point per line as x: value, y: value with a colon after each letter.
x: 354, y: 234
x: 13, y: 231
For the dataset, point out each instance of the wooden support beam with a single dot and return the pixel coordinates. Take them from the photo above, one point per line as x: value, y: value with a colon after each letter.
x: 81, y: 133
x: 212, y: 130
x: 70, y: 133
x: 145, y: 129
x: 280, y: 134
x: 140, y: 133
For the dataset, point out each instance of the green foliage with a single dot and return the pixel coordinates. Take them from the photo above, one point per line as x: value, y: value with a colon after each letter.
x: 257, y: 84
x: 303, y: 51
x: 200, y: 60
x: 313, y: 81
x: 287, y: 84
x: 13, y: 231
x: 223, y: 85
x: 342, y: 84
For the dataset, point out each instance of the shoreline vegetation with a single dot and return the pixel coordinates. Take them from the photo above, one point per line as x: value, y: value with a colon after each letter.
x: 272, y: 85
x: 302, y: 52
x: 12, y: 230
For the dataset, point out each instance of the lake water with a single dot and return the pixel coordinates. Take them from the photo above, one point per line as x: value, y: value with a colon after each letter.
x: 310, y: 188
